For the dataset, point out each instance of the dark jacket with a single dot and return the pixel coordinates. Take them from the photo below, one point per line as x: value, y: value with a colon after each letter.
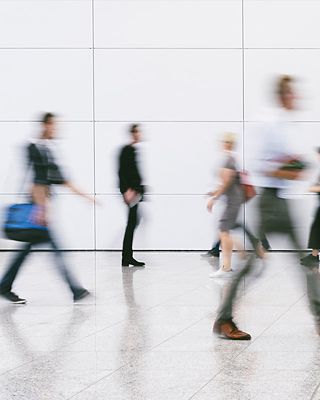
x: 129, y: 175
x: 45, y: 169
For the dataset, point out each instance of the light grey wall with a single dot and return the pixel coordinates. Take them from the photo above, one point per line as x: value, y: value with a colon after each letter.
x: 187, y: 69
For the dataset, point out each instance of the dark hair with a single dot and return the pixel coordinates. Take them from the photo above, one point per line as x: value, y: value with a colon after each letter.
x: 46, y: 117
x: 134, y: 128
x: 283, y: 84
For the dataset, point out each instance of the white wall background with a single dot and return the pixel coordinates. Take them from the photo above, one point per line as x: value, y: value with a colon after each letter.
x: 186, y: 69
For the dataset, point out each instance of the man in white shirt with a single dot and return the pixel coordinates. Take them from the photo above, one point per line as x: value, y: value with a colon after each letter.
x: 278, y: 167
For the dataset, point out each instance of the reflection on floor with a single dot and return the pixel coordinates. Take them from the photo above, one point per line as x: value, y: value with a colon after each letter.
x: 145, y: 334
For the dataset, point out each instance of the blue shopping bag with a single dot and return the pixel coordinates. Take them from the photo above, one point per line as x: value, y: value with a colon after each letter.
x: 21, y: 225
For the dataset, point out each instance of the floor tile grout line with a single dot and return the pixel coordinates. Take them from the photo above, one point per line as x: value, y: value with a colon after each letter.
x: 193, y: 268
x: 87, y: 336
x: 316, y: 390
x: 143, y: 353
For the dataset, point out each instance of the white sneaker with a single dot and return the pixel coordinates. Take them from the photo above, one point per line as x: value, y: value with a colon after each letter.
x: 221, y: 273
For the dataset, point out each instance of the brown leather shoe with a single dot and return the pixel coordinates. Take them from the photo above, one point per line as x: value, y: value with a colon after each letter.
x: 229, y: 330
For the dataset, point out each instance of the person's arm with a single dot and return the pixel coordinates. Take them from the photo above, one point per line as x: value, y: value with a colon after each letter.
x: 315, y: 189
x: 39, y: 195
x: 284, y: 174
x: 77, y: 191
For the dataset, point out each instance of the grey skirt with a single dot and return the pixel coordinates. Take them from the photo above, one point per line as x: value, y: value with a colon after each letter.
x: 229, y: 216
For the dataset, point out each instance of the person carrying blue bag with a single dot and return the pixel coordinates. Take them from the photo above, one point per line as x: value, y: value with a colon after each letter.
x: 28, y: 222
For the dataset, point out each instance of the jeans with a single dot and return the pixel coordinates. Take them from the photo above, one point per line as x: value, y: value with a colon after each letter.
x: 14, y: 267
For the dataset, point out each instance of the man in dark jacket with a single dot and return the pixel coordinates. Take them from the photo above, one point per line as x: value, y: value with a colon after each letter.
x: 132, y: 190
x: 46, y: 172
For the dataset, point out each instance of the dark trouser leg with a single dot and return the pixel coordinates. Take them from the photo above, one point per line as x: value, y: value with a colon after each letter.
x: 13, y: 269
x: 226, y: 307
x: 216, y: 247
x: 62, y: 268
x: 253, y: 240
x: 314, y: 237
x: 225, y: 311
x: 282, y: 222
x: 128, y: 236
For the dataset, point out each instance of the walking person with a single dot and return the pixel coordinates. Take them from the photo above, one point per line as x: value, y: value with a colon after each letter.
x: 46, y: 172
x: 231, y: 189
x: 132, y: 190
x: 277, y: 169
x: 314, y: 236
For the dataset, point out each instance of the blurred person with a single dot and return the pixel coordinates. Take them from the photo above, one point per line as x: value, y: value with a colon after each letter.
x: 214, y: 251
x: 132, y: 190
x: 46, y: 172
x: 314, y: 236
x: 279, y: 166
x: 231, y: 189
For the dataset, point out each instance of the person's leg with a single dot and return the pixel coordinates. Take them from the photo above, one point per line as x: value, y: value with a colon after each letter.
x: 256, y: 243
x: 214, y: 251
x: 313, y: 243
x: 224, y: 324
x: 13, y: 269
x: 227, y: 247
x: 225, y: 311
x: 216, y: 247
x: 311, y: 272
x: 72, y: 282
x: 127, y: 253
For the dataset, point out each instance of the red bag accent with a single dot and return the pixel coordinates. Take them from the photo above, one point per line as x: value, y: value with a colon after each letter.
x: 249, y: 190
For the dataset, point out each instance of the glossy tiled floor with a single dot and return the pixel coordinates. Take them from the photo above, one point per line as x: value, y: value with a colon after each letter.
x: 146, y: 334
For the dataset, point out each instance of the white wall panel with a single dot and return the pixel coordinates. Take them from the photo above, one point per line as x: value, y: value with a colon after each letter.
x: 168, y: 222
x: 168, y: 23
x: 177, y: 158
x: 73, y: 222
x: 45, y: 23
x: 74, y: 152
x: 282, y: 23
x: 177, y: 67
x: 168, y: 85
x: 77, y: 154
x: 262, y: 67
x: 39, y: 80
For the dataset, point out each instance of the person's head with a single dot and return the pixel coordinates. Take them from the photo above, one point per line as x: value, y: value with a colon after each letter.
x: 285, y: 92
x: 135, y: 133
x: 49, y: 126
x: 229, y: 141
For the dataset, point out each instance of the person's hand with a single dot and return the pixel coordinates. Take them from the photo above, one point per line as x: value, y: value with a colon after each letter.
x: 212, y: 193
x: 40, y: 216
x: 92, y: 199
x: 210, y: 204
x: 315, y: 189
x: 129, y: 196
